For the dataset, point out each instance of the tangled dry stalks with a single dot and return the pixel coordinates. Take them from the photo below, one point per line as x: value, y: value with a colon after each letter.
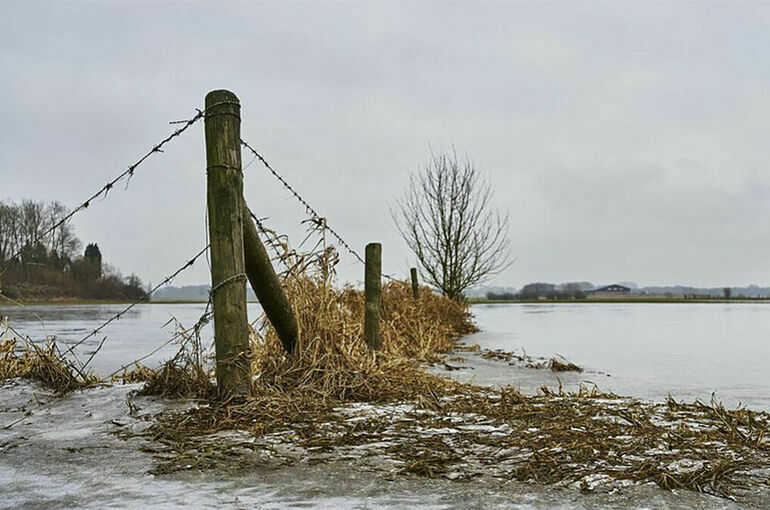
x: 335, y: 400
x: 43, y: 364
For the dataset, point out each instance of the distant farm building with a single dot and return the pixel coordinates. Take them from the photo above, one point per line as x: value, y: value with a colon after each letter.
x: 613, y: 289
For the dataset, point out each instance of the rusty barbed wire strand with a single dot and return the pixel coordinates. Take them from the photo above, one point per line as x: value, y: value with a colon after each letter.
x: 117, y: 316
x: 308, y: 208
x: 127, y: 174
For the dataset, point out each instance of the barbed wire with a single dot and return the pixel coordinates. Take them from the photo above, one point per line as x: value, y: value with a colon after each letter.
x: 269, y: 236
x: 308, y: 208
x: 127, y: 174
x: 118, y: 315
x: 188, y: 333
x: 185, y: 334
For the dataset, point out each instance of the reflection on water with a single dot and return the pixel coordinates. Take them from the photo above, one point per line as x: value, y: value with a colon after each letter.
x: 646, y: 350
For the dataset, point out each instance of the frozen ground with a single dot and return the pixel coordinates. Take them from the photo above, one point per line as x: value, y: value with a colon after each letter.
x: 68, y: 453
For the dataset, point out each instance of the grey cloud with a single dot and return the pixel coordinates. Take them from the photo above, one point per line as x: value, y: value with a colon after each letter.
x: 628, y: 143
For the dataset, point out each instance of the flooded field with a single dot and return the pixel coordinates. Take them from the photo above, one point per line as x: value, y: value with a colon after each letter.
x: 642, y: 350
x: 69, y: 453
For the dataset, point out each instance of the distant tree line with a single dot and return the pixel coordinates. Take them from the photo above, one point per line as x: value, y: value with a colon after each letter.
x: 501, y: 296
x: 550, y: 291
x: 580, y: 290
x: 573, y: 290
x: 52, y: 266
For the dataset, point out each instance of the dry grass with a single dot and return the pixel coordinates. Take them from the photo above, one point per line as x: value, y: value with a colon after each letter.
x: 562, y: 365
x: 173, y: 380
x: 331, y: 358
x: 334, y: 399
x: 43, y: 364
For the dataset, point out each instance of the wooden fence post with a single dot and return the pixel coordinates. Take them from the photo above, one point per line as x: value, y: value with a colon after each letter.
x: 266, y: 285
x: 415, y: 285
x: 372, y: 294
x: 228, y: 279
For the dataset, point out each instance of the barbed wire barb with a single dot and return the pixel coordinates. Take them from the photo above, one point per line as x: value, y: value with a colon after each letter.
x: 308, y: 208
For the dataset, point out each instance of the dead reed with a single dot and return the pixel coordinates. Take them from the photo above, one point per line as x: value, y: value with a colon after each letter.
x: 562, y: 365
x: 334, y: 400
x: 43, y: 364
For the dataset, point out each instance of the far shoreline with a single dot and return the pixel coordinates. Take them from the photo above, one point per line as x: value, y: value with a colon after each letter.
x: 471, y: 301
x: 84, y: 302
x: 639, y: 300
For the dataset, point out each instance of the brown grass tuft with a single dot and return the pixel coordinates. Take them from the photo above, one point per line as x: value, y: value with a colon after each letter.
x: 331, y: 358
x: 42, y: 364
x: 557, y: 365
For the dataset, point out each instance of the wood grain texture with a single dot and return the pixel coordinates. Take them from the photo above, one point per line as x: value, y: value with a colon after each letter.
x: 224, y: 199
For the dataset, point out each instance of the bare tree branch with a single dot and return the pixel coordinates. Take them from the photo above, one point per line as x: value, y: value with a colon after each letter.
x: 446, y: 219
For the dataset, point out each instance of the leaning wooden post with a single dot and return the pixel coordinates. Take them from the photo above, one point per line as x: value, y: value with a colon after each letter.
x: 266, y: 285
x: 415, y: 285
x: 372, y: 294
x: 228, y: 280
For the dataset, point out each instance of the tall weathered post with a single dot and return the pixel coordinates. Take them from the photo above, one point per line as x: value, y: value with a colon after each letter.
x: 372, y: 294
x: 415, y: 285
x: 225, y: 206
x: 266, y: 285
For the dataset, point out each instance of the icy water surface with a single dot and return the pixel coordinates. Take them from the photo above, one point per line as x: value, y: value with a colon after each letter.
x: 137, y: 333
x: 64, y: 453
x: 642, y: 350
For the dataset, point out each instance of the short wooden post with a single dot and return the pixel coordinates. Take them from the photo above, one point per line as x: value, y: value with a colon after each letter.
x: 415, y: 285
x: 372, y: 294
x: 228, y: 279
x: 266, y: 285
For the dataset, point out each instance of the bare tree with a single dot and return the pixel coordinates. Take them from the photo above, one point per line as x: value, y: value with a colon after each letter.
x: 62, y: 240
x: 446, y: 218
x: 22, y: 227
x: 9, y: 230
x: 32, y: 221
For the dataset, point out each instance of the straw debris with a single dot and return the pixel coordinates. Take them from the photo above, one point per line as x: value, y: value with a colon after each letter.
x: 42, y: 364
x: 557, y: 365
x: 514, y: 358
x: 335, y: 400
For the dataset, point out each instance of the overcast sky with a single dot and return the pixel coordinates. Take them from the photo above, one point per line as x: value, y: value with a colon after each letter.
x: 628, y: 142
